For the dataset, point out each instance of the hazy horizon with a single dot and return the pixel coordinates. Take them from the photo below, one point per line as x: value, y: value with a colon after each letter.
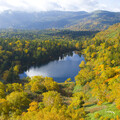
x: 10, y: 11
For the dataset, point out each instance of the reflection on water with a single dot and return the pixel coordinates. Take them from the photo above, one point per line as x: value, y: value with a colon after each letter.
x: 60, y: 70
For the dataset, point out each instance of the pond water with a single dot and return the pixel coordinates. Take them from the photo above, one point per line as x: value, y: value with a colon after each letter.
x: 59, y: 70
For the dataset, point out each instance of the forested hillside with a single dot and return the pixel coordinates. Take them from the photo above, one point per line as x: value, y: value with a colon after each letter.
x: 95, y: 94
x: 101, y: 74
x: 98, y: 20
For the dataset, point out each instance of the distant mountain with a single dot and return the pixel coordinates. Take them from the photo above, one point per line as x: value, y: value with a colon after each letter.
x: 82, y: 20
x: 98, y: 20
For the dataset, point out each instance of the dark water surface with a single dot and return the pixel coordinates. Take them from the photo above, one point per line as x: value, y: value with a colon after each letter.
x: 60, y: 70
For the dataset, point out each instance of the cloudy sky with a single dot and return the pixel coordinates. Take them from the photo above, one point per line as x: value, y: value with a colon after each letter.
x: 65, y: 5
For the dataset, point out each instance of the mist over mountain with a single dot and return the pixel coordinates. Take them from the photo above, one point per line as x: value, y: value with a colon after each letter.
x: 97, y: 20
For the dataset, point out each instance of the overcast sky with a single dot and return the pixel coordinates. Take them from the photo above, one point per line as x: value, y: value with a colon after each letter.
x: 65, y: 5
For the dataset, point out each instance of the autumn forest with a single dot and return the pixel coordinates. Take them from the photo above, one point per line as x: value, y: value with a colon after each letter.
x: 93, y: 95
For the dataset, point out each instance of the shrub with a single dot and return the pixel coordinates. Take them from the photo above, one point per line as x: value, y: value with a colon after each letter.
x: 97, y: 115
x: 101, y: 118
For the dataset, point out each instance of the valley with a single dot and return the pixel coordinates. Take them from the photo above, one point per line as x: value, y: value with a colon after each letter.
x: 65, y: 74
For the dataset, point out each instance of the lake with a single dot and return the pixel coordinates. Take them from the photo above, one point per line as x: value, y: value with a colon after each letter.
x: 59, y: 70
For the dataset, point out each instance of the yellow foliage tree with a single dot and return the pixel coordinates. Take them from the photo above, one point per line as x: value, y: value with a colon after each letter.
x: 50, y: 84
x: 52, y: 98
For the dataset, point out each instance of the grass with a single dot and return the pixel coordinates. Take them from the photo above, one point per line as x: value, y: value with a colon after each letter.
x: 106, y: 110
x: 77, y: 88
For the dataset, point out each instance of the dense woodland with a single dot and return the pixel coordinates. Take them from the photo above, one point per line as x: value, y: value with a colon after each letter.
x: 21, y: 49
x: 95, y: 94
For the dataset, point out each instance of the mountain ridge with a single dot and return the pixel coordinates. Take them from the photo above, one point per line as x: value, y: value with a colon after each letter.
x: 80, y: 20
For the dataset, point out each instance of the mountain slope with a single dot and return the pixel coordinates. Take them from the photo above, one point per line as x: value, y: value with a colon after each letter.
x: 98, y: 20
x: 82, y: 20
x: 102, y: 74
x: 113, y: 32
